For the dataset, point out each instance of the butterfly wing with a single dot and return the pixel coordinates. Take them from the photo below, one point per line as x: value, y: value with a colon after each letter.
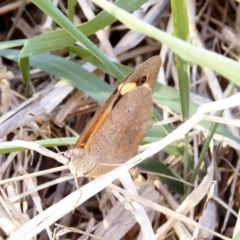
x: 149, y: 69
x: 118, y: 127
x: 123, y: 130
x: 119, y: 137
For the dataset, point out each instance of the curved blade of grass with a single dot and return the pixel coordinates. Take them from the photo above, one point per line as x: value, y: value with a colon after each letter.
x: 50, y: 9
x: 50, y: 41
x: 222, y: 65
x: 89, y: 57
x: 69, y: 71
x: 60, y: 38
x: 11, y: 44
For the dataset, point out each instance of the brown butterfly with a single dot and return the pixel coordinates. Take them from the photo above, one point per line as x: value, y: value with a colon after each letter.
x: 115, y: 132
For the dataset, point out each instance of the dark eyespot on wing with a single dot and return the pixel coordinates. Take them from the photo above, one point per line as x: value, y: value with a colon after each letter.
x: 143, y: 80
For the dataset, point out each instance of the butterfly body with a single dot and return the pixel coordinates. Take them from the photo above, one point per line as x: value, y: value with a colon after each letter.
x: 115, y: 132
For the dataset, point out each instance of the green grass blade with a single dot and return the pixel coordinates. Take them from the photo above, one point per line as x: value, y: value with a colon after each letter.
x: 157, y: 167
x: 180, y: 30
x: 53, y: 142
x: 51, y: 10
x: 222, y: 65
x: 69, y: 71
x: 89, y: 57
x: 11, y: 44
x: 71, y: 9
x: 60, y: 38
x: 24, y: 65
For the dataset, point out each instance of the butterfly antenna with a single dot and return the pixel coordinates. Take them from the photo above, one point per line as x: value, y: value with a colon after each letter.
x: 80, y: 192
x: 40, y: 121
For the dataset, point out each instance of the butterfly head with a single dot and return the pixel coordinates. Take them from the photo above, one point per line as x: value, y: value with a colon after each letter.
x: 78, y: 162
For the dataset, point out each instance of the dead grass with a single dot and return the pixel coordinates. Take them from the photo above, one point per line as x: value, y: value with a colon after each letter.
x: 38, y: 194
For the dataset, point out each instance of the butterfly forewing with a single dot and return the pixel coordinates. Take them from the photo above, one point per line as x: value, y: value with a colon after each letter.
x: 116, y: 130
x: 119, y: 137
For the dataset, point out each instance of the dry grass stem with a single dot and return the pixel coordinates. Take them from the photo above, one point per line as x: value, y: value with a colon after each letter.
x: 51, y: 86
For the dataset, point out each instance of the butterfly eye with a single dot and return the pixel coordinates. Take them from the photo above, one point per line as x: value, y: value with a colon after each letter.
x: 143, y: 80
